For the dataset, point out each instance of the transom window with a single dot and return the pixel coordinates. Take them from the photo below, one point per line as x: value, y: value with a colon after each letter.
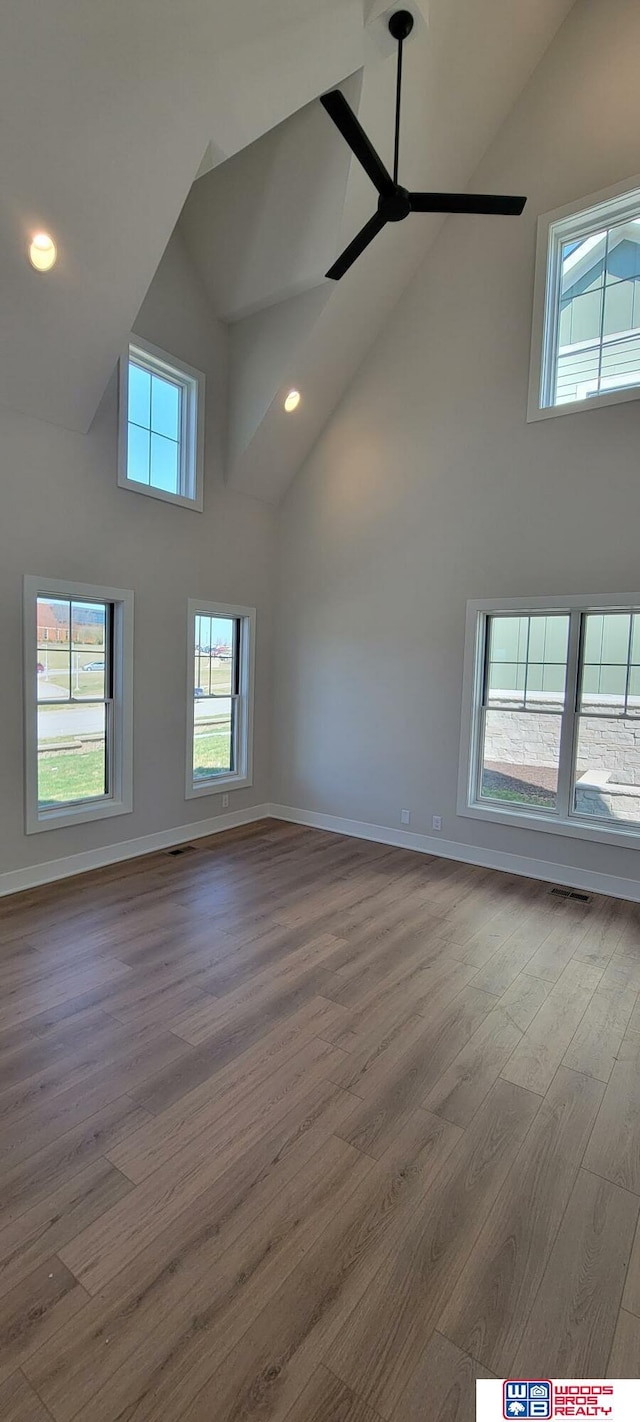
x: 78, y: 702
x: 586, y: 338
x: 155, y: 415
x: 161, y: 421
x: 220, y: 696
x: 552, y: 716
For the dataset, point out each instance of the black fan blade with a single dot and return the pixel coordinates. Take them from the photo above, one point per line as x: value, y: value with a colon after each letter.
x: 344, y: 118
x: 364, y: 237
x: 467, y: 202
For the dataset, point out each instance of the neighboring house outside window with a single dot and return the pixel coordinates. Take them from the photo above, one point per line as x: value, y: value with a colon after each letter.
x: 586, y: 328
x: 161, y: 426
x: 78, y: 702
x: 220, y: 676
x: 551, y: 720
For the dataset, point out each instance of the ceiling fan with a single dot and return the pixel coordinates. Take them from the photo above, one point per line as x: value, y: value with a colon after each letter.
x: 395, y: 202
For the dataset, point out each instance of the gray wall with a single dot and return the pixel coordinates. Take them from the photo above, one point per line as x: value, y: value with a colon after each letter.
x: 429, y: 488
x: 62, y: 515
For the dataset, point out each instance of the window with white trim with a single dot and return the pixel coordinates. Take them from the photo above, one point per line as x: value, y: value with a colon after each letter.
x: 221, y: 652
x: 161, y: 426
x: 551, y: 729
x: 586, y: 332
x: 78, y: 702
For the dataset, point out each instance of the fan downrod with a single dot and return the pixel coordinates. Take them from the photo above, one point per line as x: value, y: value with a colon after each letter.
x: 401, y: 24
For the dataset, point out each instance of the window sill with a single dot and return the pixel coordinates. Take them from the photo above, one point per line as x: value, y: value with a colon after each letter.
x: 43, y: 820
x: 553, y: 824
x: 217, y: 785
x: 165, y: 497
x: 574, y: 407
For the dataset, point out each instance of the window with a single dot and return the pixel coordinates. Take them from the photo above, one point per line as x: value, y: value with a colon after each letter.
x: 586, y: 332
x: 220, y: 697
x: 161, y: 439
x: 78, y: 702
x: 552, y: 717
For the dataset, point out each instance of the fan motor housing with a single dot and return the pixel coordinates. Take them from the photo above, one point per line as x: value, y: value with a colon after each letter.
x: 395, y: 205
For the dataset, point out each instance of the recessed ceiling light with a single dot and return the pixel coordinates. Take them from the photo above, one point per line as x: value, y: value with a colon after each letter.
x: 42, y: 252
x: 292, y: 401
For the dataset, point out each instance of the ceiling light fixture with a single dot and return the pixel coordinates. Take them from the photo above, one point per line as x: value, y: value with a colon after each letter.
x: 292, y: 401
x: 42, y: 252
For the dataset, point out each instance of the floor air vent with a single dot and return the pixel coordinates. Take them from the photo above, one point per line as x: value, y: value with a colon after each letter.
x: 182, y: 849
x: 572, y: 894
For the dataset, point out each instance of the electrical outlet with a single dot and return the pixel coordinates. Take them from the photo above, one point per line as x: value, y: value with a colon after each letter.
x: 225, y: 802
x: 436, y: 822
x: 405, y: 817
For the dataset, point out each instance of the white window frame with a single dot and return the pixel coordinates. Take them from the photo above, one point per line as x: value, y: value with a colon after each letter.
x: 242, y: 776
x: 120, y: 799
x: 192, y: 383
x: 576, y: 220
x: 469, y: 804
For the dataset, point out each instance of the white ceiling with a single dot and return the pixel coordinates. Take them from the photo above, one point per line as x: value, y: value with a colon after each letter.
x: 107, y: 113
x: 259, y: 226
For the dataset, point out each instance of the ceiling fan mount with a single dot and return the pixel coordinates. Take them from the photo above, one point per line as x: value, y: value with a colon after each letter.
x: 396, y: 202
x: 401, y: 24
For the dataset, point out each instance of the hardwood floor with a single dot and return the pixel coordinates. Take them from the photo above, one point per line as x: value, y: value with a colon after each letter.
x: 301, y: 1127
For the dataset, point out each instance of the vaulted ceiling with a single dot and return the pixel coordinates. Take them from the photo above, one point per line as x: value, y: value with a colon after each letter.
x: 109, y: 112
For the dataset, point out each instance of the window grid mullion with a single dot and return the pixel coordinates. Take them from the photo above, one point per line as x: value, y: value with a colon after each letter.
x: 76, y: 701
x: 70, y: 645
x: 568, y: 730
x: 237, y: 712
x: 481, y: 673
x: 526, y: 665
x: 237, y: 653
x: 552, y: 300
x: 183, y: 440
x: 602, y: 309
x: 629, y: 655
x: 522, y: 710
x: 482, y: 735
x: 485, y: 670
x: 108, y: 747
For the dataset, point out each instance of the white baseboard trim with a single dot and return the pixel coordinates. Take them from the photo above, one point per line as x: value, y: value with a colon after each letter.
x: 16, y: 880
x: 550, y: 873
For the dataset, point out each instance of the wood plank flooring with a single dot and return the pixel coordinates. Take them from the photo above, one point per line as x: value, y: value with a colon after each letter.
x: 301, y: 1127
